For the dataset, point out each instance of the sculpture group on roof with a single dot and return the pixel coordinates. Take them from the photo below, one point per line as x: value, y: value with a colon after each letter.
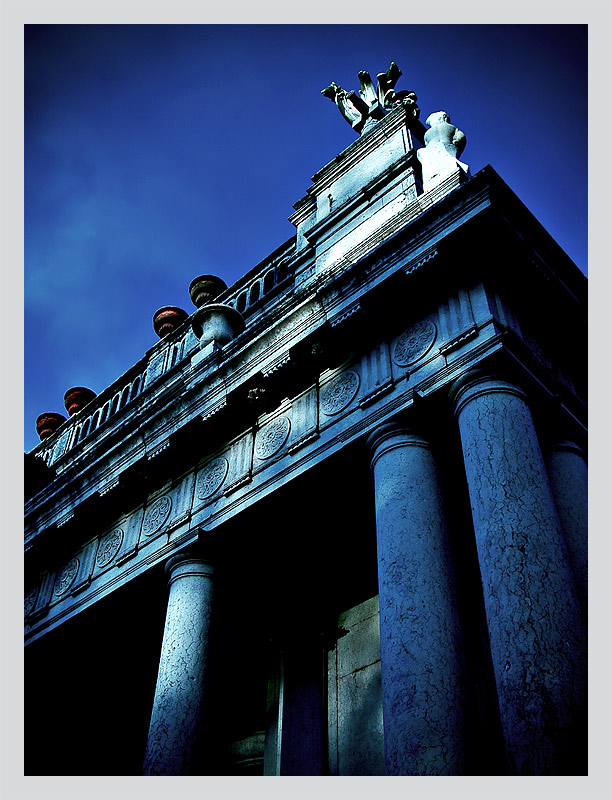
x: 444, y: 142
x: 371, y: 104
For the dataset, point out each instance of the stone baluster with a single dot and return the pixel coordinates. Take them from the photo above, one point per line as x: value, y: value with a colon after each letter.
x: 533, y: 614
x: 567, y: 471
x: 420, y: 646
x: 181, y: 691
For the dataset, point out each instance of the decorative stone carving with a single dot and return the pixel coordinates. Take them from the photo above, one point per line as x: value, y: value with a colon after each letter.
x: 386, y: 94
x: 211, y: 478
x: 444, y: 143
x: 109, y: 547
x: 30, y: 601
x: 271, y: 438
x: 66, y: 576
x: 371, y: 105
x: 338, y: 393
x: 414, y: 343
x: 156, y: 515
x: 352, y: 107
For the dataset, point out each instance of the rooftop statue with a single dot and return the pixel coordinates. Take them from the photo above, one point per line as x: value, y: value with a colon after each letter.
x: 371, y: 104
x: 444, y: 143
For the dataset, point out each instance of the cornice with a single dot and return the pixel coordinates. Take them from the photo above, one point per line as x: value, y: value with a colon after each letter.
x: 264, y: 350
x: 237, y: 364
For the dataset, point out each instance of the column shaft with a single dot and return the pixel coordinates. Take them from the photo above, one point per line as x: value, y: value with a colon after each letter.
x: 421, y: 661
x: 181, y: 690
x: 533, y: 615
x: 567, y: 471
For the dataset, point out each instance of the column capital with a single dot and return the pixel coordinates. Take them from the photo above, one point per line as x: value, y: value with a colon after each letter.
x: 567, y: 446
x: 391, y: 435
x: 187, y: 563
x: 476, y: 383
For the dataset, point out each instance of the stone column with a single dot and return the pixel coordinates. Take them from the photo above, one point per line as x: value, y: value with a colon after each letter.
x: 567, y: 471
x: 176, y: 720
x: 533, y: 614
x: 420, y: 647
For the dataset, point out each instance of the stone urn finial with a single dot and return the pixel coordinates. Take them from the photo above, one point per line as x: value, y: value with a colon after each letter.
x: 168, y: 319
x: 48, y: 423
x: 205, y: 289
x: 216, y: 322
x: 77, y: 398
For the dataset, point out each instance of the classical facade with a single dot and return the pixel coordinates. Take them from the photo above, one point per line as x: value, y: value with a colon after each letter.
x: 334, y: 521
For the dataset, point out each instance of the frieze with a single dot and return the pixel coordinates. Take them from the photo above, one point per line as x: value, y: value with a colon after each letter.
x: 211, y: 478
x: 30, y: 601
x: 156, y: 515
x: 339, y: 392
x: 272, y: 437
x: 414, y: 343
x: 109, y: 547
x: 66, y: 576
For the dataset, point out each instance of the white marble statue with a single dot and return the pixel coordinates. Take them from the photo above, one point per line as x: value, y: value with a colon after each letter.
x: 444, y: 143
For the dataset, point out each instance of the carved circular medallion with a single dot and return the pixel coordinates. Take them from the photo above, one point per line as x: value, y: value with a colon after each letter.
x: 109, y: 547
x: 339, y: 392
x: 155, y: 516
x: 271, y: 438
x: 211, y: 477
x: 30, y: 601
x: 414, y: 343
x: 66, y: 576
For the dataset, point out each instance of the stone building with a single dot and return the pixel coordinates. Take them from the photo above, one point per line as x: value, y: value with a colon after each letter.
x: 334, y: 521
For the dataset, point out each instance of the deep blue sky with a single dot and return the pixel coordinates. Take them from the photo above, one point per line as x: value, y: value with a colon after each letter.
x: 154, y: 154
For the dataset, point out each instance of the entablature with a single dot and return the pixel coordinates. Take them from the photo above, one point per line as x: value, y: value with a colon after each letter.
x: 216, y: 431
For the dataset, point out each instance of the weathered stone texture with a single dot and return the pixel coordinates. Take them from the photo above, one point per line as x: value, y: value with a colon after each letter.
x: 567, y: 470
x: 419, y: 628
x: 533, y: 615
x: 357, y: 693
x: 179, y: 703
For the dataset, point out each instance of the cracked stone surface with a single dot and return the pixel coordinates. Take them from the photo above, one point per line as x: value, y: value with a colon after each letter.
x: 533, y: 614
x: 181, y: 683
x: 567, y: 471
x: 419, y: 630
